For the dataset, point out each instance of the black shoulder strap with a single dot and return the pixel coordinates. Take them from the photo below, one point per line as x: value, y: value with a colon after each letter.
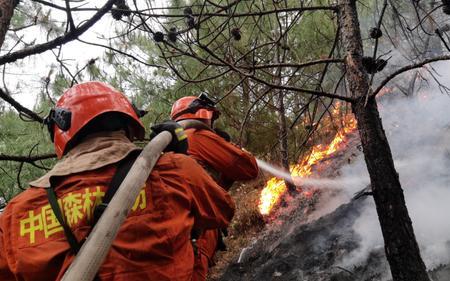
x: 122, y: 170
x: 73, y: 242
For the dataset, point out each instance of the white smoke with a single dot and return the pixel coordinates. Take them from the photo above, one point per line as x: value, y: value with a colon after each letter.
x: 418, y: 130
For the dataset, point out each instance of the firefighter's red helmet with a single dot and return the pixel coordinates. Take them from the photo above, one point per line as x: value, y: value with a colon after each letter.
x: 82, y: 103
x: 191, y: 107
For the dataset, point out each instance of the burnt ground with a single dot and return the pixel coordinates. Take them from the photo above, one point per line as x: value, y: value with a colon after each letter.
x: 308, y: 252
x: 305, y: 240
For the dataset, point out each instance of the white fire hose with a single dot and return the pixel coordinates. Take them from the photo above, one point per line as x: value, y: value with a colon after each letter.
x: 95, y: 249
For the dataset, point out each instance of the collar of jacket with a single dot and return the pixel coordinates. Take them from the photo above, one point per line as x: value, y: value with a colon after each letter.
x: 96, y: 151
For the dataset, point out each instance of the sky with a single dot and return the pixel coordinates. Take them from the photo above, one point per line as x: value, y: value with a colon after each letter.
x: 24, y: 79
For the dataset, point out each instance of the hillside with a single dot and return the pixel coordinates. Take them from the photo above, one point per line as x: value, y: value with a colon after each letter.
x: 333, y: 235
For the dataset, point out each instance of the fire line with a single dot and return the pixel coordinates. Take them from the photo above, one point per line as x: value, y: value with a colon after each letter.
x: 275, y: 187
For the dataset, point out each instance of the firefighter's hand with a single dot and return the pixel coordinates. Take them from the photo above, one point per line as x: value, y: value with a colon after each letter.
x: 179, y: 142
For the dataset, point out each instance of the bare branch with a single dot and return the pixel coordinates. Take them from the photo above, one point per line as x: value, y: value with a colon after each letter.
x: 407, y: 68
x: 19, y: 184
x: 71, y: 24
x: 293, y: 65
x: 20, y: 108
x: 122, y: 53
x: 27, y: 159
x: 70, y: 36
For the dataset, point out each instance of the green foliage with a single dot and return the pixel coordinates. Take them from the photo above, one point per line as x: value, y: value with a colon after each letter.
x: 60, y: 83
x: 18, y: 20
x: 21, y: 138
x: 94, y: 72
x: 309, y: 37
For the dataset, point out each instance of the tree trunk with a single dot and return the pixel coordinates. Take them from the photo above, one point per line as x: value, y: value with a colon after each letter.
x: 401, y: 248
x: 6, y: 13
x: 283, y: 138
x: 282, y: 124
x: 245, y: 108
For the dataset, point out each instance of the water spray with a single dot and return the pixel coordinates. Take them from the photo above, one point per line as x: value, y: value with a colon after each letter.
x: 308, y: 182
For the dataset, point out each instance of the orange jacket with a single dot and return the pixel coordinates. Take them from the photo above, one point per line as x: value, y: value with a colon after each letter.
x: 214, y: 152
x: 152, y: 244
x: 228, y: 163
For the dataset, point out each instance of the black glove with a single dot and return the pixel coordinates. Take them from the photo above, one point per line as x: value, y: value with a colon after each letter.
x: 223, y: 134
x: 179, y: 142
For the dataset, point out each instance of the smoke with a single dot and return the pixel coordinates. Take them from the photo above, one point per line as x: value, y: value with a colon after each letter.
x: 418, y: 130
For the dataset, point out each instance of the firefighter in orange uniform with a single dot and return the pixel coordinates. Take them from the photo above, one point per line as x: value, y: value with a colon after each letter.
x: 224, y: 161
x: 92, y: 127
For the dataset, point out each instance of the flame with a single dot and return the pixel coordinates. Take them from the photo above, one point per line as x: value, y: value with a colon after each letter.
x: 276, y: 187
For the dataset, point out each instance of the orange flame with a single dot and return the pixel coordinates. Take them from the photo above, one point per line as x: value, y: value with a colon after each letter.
x: 276, y: 187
